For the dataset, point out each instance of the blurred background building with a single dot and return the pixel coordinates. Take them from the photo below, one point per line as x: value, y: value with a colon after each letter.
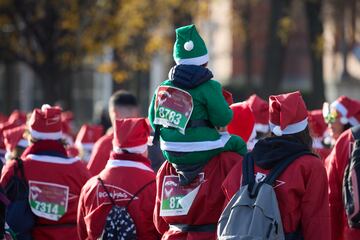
x: 78, y: 53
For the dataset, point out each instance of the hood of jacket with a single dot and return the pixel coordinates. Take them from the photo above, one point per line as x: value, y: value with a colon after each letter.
x: 189, y: 76
x: 270, y: 151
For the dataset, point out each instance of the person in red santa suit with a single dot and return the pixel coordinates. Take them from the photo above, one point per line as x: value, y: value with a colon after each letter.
x: 86, y: 138
x: 127, y: 171
x: 318, y: 132
x: 340, y: 115
x: 301, y: 190
x: 122, y: 104
x: 54, y: 180
x: 336, y: 164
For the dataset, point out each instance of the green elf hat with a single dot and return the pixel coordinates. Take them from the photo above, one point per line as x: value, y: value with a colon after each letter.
x: 189, y: 47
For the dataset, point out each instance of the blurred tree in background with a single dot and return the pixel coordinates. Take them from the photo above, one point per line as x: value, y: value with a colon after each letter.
x: 56, y: 38
x: 280, y: 26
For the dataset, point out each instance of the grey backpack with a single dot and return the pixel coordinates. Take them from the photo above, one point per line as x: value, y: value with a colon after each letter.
x: 253, y: 212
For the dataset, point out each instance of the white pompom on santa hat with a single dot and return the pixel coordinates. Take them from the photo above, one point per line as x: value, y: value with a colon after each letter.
x: 349, y: 110
x: 131, y: 135
x: 287, y: 113
x: 45, y: 123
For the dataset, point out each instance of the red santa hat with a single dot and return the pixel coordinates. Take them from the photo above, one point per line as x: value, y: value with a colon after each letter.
x: 88, y: 135
x: 287, y: 113
x: 131, y: 134
x: 45, y: 123
x: 243, y: 121
x: 3, y: 128
x: 14, y: 138
x: 17, y: 117
x: 228, y: 96
x: 260, y: 109
x: 3, y: 118
x: 317, y: 123
x: 349, y: 110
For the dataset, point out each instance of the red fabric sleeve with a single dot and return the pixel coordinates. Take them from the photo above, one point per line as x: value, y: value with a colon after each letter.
x: 7, y: 172
x: 159, y: 222
x: 334, y: 172
x: 81, y: 226
x: 148, y: 208
x: 231, y: 184
x: 100, y: 154
x: 315, y: 219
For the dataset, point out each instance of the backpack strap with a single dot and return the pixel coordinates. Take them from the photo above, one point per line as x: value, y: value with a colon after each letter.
x: 139, y: 191
x: 274, y: 173
x: 248, y: 173
x: 281, y: 166
x: 132, y: 198
x: 20, y: 166
x: 356, y: 132
x: 107, y: 191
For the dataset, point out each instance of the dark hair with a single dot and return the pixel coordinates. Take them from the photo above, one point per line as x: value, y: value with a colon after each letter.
x: 18, y: 151
x: 302, y: 137
x: 123, y: 98
x: 346, y: 127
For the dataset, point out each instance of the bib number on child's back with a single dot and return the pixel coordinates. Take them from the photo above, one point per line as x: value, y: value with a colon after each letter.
x: 48, y: 200
x: 173, y: 107
x: 176, y: 200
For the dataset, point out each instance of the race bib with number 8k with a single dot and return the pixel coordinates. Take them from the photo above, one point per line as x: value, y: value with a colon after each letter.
x: 48, y: 200
x: 173, y: 107
x: 176, y: 200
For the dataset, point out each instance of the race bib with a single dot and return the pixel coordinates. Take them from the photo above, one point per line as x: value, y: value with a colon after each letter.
x: 176, y: 200
x: 173, y: 108
x: 48, y: 200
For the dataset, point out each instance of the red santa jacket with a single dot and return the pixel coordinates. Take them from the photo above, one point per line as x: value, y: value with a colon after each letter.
x: 320, y: 149
x: 301, y: 191
x: 123, y: 176
x: 100, y: 154
x: 322, y: 153
x: 62, y: 177
x: 201, y: 202
x: 335, y: 166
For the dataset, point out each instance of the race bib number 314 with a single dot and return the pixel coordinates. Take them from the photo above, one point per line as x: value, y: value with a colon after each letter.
x: 48, y: 200
x: 173, y: 107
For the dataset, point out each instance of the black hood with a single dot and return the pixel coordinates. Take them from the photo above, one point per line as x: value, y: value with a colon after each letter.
x: 189, y: 76
x: 269, y: 151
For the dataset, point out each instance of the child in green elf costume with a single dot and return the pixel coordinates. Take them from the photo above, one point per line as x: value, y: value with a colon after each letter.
x: 188, y: 108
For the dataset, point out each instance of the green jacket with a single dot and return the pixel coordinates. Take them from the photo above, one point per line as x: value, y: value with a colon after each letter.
x: 209, y: 104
